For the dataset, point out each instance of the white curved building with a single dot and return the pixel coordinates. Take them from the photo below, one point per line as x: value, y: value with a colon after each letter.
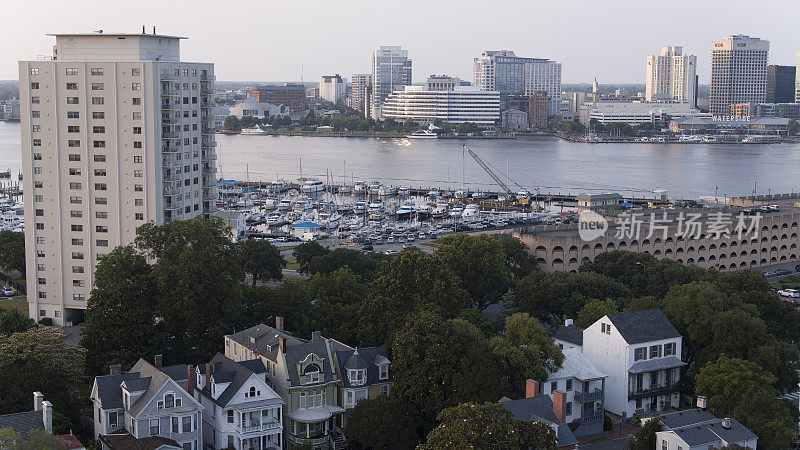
x: 462, y: 104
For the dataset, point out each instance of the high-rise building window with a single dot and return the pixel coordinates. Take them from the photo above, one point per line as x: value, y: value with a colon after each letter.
x: 137, y: 159
x: 138, y: 188
x: 72, y: 70
x: 73, y: 100
x: 34, y: 99
x: 99, y: 144
x: 139, y: 216
x: 101, y: 229
x: 73, y: 115
x: 73, y: 129
x: 99, y: 158
x: 35, y: 128
x: 136, y: 101
x: 99, y: 129
x: 99, y: 172
x: 37, y: 142
x: 98, y: 115
x: 76, y: 227
x: 98, y: 100
x: 96, y: 71
x: 136, y: 115
x: 137, y: 130
x: 136, y: 86
x: 72, y: 86
x: 77, y: 269
x: 74, y: 157
x: 34, y: 71
x: 101, y: 215
x: 137, y: 144
x: 73, y: 143
x: 136, y: 72
x: 98, y: 86
x: 35, y: 114
x: 34, y: 85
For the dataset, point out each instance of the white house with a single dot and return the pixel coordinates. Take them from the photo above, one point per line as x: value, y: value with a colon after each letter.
x: 150, y: 406
x: 640, y: 352
x: 569, y: 336
x: 241, y: 410
x: 577, y: 391
x: 697, y: 429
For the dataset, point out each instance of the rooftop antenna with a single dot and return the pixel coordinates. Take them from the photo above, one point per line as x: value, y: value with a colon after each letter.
x: 154, y: 29
x: 98, y: 31
x: 143, y: 32
x: 301, y: 74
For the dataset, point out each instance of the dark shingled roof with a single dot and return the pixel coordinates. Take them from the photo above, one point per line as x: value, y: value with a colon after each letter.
x: 128, y: 442
x: 367, y: 358
x: 540, y: 409
x: 698, y: 427
x: 643, y: 326
x: 23, y: 423
x: 570, y: 333
x: 108, y: 390
x: 226, y: 370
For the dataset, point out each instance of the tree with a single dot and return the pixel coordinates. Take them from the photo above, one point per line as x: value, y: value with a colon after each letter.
x: 645, y: 436
x: 366, y: 266
x: 744, y: 391
x: 13, y: 321
x: 595, y: 310
x: 480, y: 262
x: 382, y: 423
x: 12, y: 251
x: 124, y: 297
x: 262, y: 260
x: 306, y: 251
x: 198, y: 276
x: 487, y: 426
x: 290, y: 300
x: 231, y: 123
x: 467, y: 127
x: 793, y: 127
x: 10, y: 439
x: 521, y: 262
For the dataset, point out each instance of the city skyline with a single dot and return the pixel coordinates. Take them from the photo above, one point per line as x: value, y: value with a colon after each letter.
x: 258, y: 42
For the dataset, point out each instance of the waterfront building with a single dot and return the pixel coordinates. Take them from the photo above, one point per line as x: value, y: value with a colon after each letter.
x: 117, y: 131
x: 292, y: 96
x: 10, y: 110
x: 544, y: 76
x: 671, y: 76
x: 780, y: 84
x: 331, y: 88
x: 150, y: 406
x: 255, y: 109
x: 360, y: 82
x: 514, y: 120
x: 537, y: 110
x: 738, y: 72
x: 391, y: 71
x: 462, y: 104
x: 635, y: 113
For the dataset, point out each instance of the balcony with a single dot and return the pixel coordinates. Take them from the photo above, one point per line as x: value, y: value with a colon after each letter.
x: 171, y: 163
x: 206, y: 90
x: 166, y: 106
x: 170, y: 92
x: 168, y: 119
x: 170, y: 191
x: 170, y: 134
x: 594, y: 418
x: 173, y: 205
x: 259, y: 427
x: 209, y: 143
x: 652, y: 392
x: 168, y: 149
x: 209, y: 197
x: 209, y: 170
x: 207, y: 77
x: 169, y: 178
x: 209, y: 156
x: 168, y: 77
x: 207, y: 130
x: 206, y: 104
x: 586, y: 397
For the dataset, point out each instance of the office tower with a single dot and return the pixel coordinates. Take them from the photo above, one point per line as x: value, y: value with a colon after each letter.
x: 290, y: 95
x: 503, y: 71
x: 391, y: 71
x: 670, y: 77
x: 780, y: 84
x: 358, y: 90
x: 331, y: 88
x: 738, y: 72
x: 537, y: 110
x: 544, y: 76
x: 116, y: 132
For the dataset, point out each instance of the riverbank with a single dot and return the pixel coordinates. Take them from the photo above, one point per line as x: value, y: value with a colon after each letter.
x: 369, y: 134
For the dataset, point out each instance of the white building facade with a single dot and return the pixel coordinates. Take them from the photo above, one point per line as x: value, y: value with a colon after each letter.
x: 671, y: 76
x: 331, y: 88
x: 544, y: 76
x: 391, y: 71
x: 358, y: 91
x: 117, y: 131
x: 460, y: 105
x: 738, y: 72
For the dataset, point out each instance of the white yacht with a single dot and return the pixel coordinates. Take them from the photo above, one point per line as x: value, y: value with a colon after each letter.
x: 256, y: 130
x: 285, y: 205
x: 313, y: 186
x: 359, y: 207
x: 423, y: 134
x: 403, y: 191
x: 374, y: 188
x: 470, y: 212
x: 360, y: 188
x: 523, y: 193
x: 405, y: 210
x: 434, y: 193
x: 387, y: 191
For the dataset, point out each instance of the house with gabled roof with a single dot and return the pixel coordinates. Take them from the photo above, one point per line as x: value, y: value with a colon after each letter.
x: 540, y: 408
x: 698, y: 429
x: 150, y: 406
x: 241, y: 410
x: 40, y: 418
x: 364, y: 373
x: 302, y: 372
x: 640, y: 352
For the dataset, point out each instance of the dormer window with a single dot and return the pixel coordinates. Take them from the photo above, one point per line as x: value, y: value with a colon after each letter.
x: 383, y: 371
x: 357, y: 377
x: 169, y: 401
x: 312, y: 374
x: 252, y: 393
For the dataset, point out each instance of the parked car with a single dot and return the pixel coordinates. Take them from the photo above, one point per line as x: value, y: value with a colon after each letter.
x: 791, y: 293
x: 8, y: 291
x: 769, y: 274
x: 783, y: 271
x: 366, y: 248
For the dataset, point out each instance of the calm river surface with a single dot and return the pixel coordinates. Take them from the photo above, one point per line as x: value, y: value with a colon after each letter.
x: 547, y: 163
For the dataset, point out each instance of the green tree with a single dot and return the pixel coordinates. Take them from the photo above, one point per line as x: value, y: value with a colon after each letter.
x: 198, y: 276
x: 595, y: 310
x: 124, y: 297
x: 744, y: 391
x: 306, y: 251
x: 232, y: 123
x: 487, y: 426
x: 290, y: 300
x: 12, y: 251
x: 480, y: 262
x: 366, y: 266
x: 645, y: 436
x: 382, y: 423
x: 262, y: 260
x: 521, y: 262
x: 10, y: 439
x: 13, y: 321
x: 248, y: 122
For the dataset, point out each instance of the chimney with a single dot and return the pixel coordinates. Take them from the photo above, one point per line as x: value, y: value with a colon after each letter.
x: 568, y: 322
x: 726, y: 423
x: 159, y: 361
x: 191, y: 379
x: 560, y: 406
x: 531, y: 388
x: 209, y: 372
x: 47, y: 416
x: 37, y: 400
x: 702, y: 402
x: 282, y: 342
x: 279, y: 323
x: 115, y: 369
x: 316, y: 335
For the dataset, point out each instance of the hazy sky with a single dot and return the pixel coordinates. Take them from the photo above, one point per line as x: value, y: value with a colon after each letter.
x: 269, y: 40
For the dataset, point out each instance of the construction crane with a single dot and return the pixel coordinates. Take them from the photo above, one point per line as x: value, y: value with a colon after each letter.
x: 488, y: 170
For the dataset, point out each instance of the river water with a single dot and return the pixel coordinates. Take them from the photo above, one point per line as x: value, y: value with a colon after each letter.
x: 545, y: 163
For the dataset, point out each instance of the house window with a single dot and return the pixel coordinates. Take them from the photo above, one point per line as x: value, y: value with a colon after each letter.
x: 175, y: 425
x: 113, y: 418
x: 154, y: 427
x: 186, y: 424
x: 569, y: 408
x: 669, y: 349
x: 383, y: 371
x: 385, y: 389
x: 169, y: 400
x: 230, y: 415
x: 655, y: 351
x: 569, y: 384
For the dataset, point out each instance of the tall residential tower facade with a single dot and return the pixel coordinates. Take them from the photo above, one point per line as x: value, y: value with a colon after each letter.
x: 358, y: 92
x: 738, y: 72
x: 511, y: 75
x: 671, y: 77
x: 391, y: 71
x: 117, y: 132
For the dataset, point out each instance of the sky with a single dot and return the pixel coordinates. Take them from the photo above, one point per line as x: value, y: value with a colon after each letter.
x: 284, y: 40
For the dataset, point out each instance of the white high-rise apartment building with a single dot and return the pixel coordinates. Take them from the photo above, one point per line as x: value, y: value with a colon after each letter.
x: 671, y: 76
x: 358, y: 91
x: 117, y: 131
x: 738, y: 72
x: 544, y: 76
x: 458, y: 105
x: 391, y: 71
x: 331, y: 88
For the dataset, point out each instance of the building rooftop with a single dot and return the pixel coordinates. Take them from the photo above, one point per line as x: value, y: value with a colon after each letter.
x: 570, y: 333
x: 643, y: 326
x: 117, y: 35
x: 697, y: 427
x: 23, y: 423
x: 575, y: 365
